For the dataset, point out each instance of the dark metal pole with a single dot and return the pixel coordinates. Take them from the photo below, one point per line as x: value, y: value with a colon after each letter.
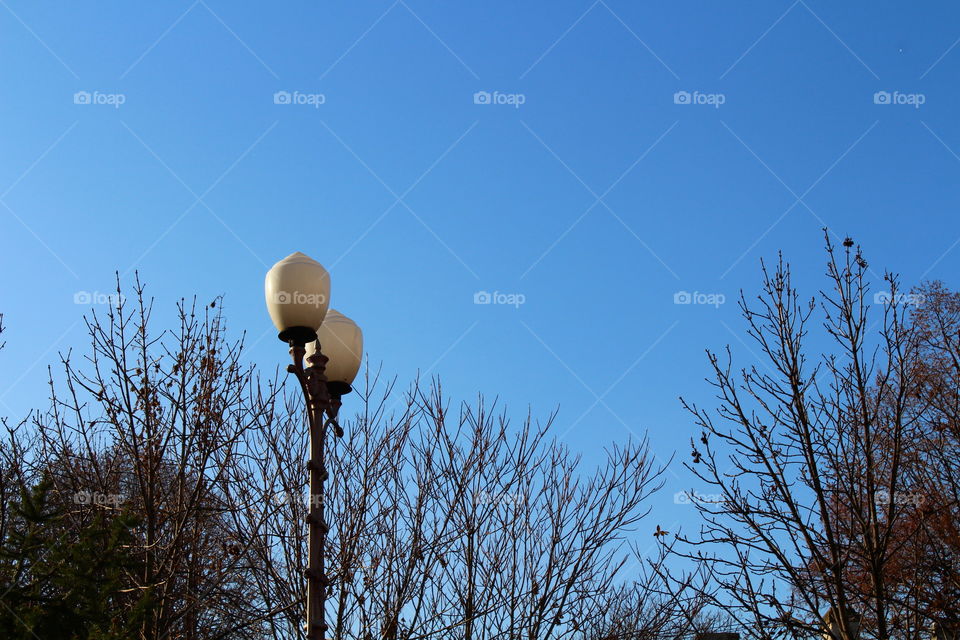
x: 321, y: 403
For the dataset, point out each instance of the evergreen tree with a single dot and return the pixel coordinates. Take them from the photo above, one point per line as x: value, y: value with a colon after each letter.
x: 57, y: 583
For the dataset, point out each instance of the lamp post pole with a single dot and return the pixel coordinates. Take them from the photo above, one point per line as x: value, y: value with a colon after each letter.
x: 318, y: 404
x: 297, y: 291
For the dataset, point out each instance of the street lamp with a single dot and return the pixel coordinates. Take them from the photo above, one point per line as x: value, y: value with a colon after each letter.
x: 297, y: 290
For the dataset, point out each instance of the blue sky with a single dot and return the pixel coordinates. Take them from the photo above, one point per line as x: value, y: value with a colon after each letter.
x: 592, y: 159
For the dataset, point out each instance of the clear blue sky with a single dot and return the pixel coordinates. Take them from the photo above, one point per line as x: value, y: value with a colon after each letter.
x: 597, y: 199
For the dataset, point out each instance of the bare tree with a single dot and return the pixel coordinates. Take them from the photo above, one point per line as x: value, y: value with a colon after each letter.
x: 803, y: 455
x: 925, y: 567
x: 661, y: 604
x: 154, y: 423
x: 464, y: 528
x: 444, y: 523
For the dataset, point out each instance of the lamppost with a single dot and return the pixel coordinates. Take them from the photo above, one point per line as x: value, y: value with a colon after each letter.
x: 298, y: 298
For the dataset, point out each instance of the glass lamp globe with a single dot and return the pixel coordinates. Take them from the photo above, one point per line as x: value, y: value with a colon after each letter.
x: 342, y: 342
x: 297, y: 291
